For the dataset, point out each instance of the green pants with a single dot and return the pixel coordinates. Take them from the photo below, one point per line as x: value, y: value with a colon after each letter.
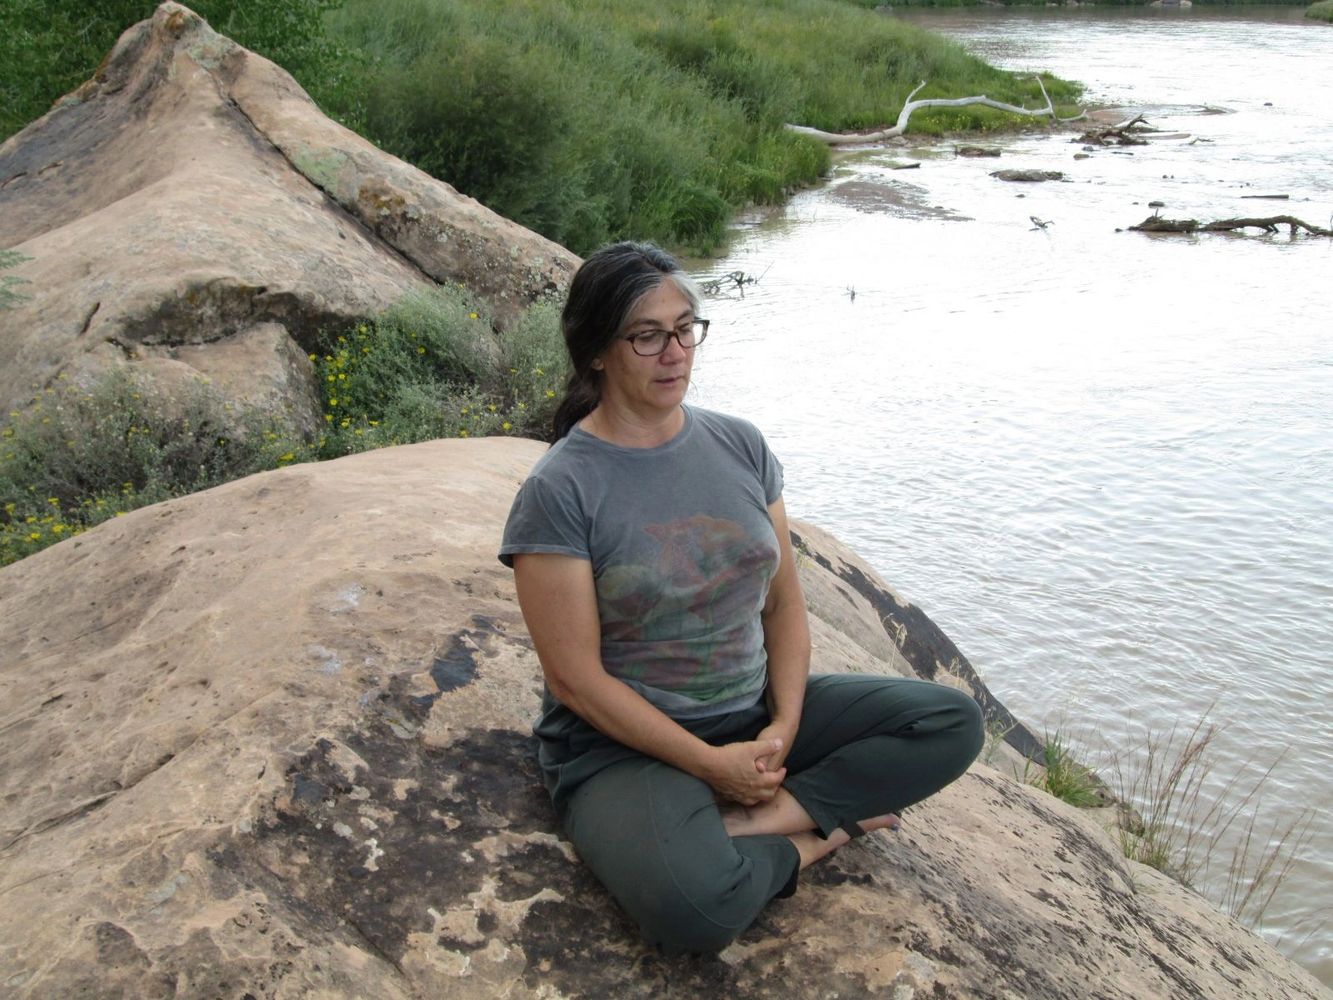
x: 653, y: 834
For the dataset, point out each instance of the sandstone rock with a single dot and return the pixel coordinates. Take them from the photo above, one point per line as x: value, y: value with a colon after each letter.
x: 190, y: 204
x: 271, y: 740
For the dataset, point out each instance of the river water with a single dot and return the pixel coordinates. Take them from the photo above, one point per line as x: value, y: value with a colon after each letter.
x: 1102, y: 461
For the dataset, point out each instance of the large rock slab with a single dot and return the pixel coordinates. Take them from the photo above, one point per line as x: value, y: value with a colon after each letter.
x: 191, y: 211
x: 272, y: 740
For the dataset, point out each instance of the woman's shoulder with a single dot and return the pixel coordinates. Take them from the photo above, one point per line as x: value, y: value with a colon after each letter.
x: 729, y: 426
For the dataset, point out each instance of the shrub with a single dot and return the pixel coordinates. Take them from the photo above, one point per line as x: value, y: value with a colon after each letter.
x: 432, y: 367
x: 76, y: 456
x: 1321, y: 11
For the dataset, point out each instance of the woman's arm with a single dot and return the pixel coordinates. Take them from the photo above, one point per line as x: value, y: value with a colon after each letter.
x: 787, y: 642
x: 559, y: 603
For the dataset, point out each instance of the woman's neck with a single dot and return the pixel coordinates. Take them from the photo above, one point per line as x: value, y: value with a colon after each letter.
x: 630, y: 429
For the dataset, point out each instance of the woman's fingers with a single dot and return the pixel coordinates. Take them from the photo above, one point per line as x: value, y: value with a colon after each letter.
x: 740, y: 776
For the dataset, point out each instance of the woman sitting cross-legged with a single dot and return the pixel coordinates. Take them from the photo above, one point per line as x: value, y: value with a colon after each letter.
x: 692, y: 760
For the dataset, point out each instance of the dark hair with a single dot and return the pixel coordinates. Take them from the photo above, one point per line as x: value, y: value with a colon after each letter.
x: 602, y: 295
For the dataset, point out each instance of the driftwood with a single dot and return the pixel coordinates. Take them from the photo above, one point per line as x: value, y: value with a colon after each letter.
x: 736, y: 280
x: 1128, y: 133
x: 1153, y: 224
x: 909, y: 106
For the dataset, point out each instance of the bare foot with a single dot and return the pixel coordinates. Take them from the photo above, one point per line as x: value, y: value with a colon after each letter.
x: 812, y: 847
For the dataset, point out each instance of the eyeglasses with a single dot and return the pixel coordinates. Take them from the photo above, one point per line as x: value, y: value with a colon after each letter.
x: 651, y: 343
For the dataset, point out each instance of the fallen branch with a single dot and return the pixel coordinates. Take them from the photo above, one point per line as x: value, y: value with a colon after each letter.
x: 909, y: 106
x: 1153, y: 224
x: 734, y: 279
x: 1123, y: 134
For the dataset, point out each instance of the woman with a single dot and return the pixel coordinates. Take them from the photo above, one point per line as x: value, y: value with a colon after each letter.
x: 692, y: 762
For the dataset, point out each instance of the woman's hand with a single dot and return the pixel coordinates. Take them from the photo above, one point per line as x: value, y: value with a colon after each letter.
x: 738, y: 772
x: 781, y: 734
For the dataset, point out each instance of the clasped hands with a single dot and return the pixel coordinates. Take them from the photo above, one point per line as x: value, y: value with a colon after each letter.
x: 751, y: 772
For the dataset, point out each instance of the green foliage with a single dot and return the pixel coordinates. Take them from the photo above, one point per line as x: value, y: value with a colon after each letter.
x: 1066, y: 778
x: 431, y: 367
x: 597, y: 120
x: 75, y: 457
x: 1321, y: 11
x: 8, y: 296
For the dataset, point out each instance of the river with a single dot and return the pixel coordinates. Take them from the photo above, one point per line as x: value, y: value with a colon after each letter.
x: 1102, y: 461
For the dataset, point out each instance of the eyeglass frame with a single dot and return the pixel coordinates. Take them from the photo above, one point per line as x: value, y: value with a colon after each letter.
x: 697, y: 325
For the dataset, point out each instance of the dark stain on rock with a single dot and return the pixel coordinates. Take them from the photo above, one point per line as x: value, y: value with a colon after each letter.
x: 466, y: 830
x: 924, y: 646
x: 456, y: 667
x: 116, y: 947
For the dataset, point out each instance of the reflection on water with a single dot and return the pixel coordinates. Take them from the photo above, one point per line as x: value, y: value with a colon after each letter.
x: 1102, y: 461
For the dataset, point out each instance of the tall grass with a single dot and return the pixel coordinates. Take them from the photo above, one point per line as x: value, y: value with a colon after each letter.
x: 600, y: 119
x: 1205, y: 830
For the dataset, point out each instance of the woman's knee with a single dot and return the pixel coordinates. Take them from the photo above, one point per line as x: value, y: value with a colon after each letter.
x: 967, y: 728
x: 687, y: 934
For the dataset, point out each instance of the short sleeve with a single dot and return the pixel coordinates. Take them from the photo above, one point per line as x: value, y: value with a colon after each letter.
x: 544, y: 519
x: 770, y: 473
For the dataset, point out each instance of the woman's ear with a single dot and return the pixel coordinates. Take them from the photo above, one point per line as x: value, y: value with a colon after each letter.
x: 596, y: 364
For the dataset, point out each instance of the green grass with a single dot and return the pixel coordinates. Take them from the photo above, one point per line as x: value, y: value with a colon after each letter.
x: 1321, y: 11
x: 1066, y: 778
x: 603, y: 119
x: 431, y: 367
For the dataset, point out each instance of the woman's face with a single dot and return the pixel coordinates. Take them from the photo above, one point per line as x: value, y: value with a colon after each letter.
x: 655, y: 385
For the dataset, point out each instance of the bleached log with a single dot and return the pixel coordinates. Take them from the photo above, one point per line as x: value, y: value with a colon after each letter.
x: 910, y: 106
x: 1153, y: 224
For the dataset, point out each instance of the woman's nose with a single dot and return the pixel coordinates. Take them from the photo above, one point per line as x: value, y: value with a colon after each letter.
x: 673, y: 351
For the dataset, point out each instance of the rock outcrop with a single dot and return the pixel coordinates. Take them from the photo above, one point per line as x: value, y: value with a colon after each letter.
x: 191, y: 212
x: 271, y: 740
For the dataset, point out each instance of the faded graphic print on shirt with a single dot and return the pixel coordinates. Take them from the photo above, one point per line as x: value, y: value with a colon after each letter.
x: 687, y: 609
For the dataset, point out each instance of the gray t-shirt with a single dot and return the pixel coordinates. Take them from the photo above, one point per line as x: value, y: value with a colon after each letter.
x: 682, y: 551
